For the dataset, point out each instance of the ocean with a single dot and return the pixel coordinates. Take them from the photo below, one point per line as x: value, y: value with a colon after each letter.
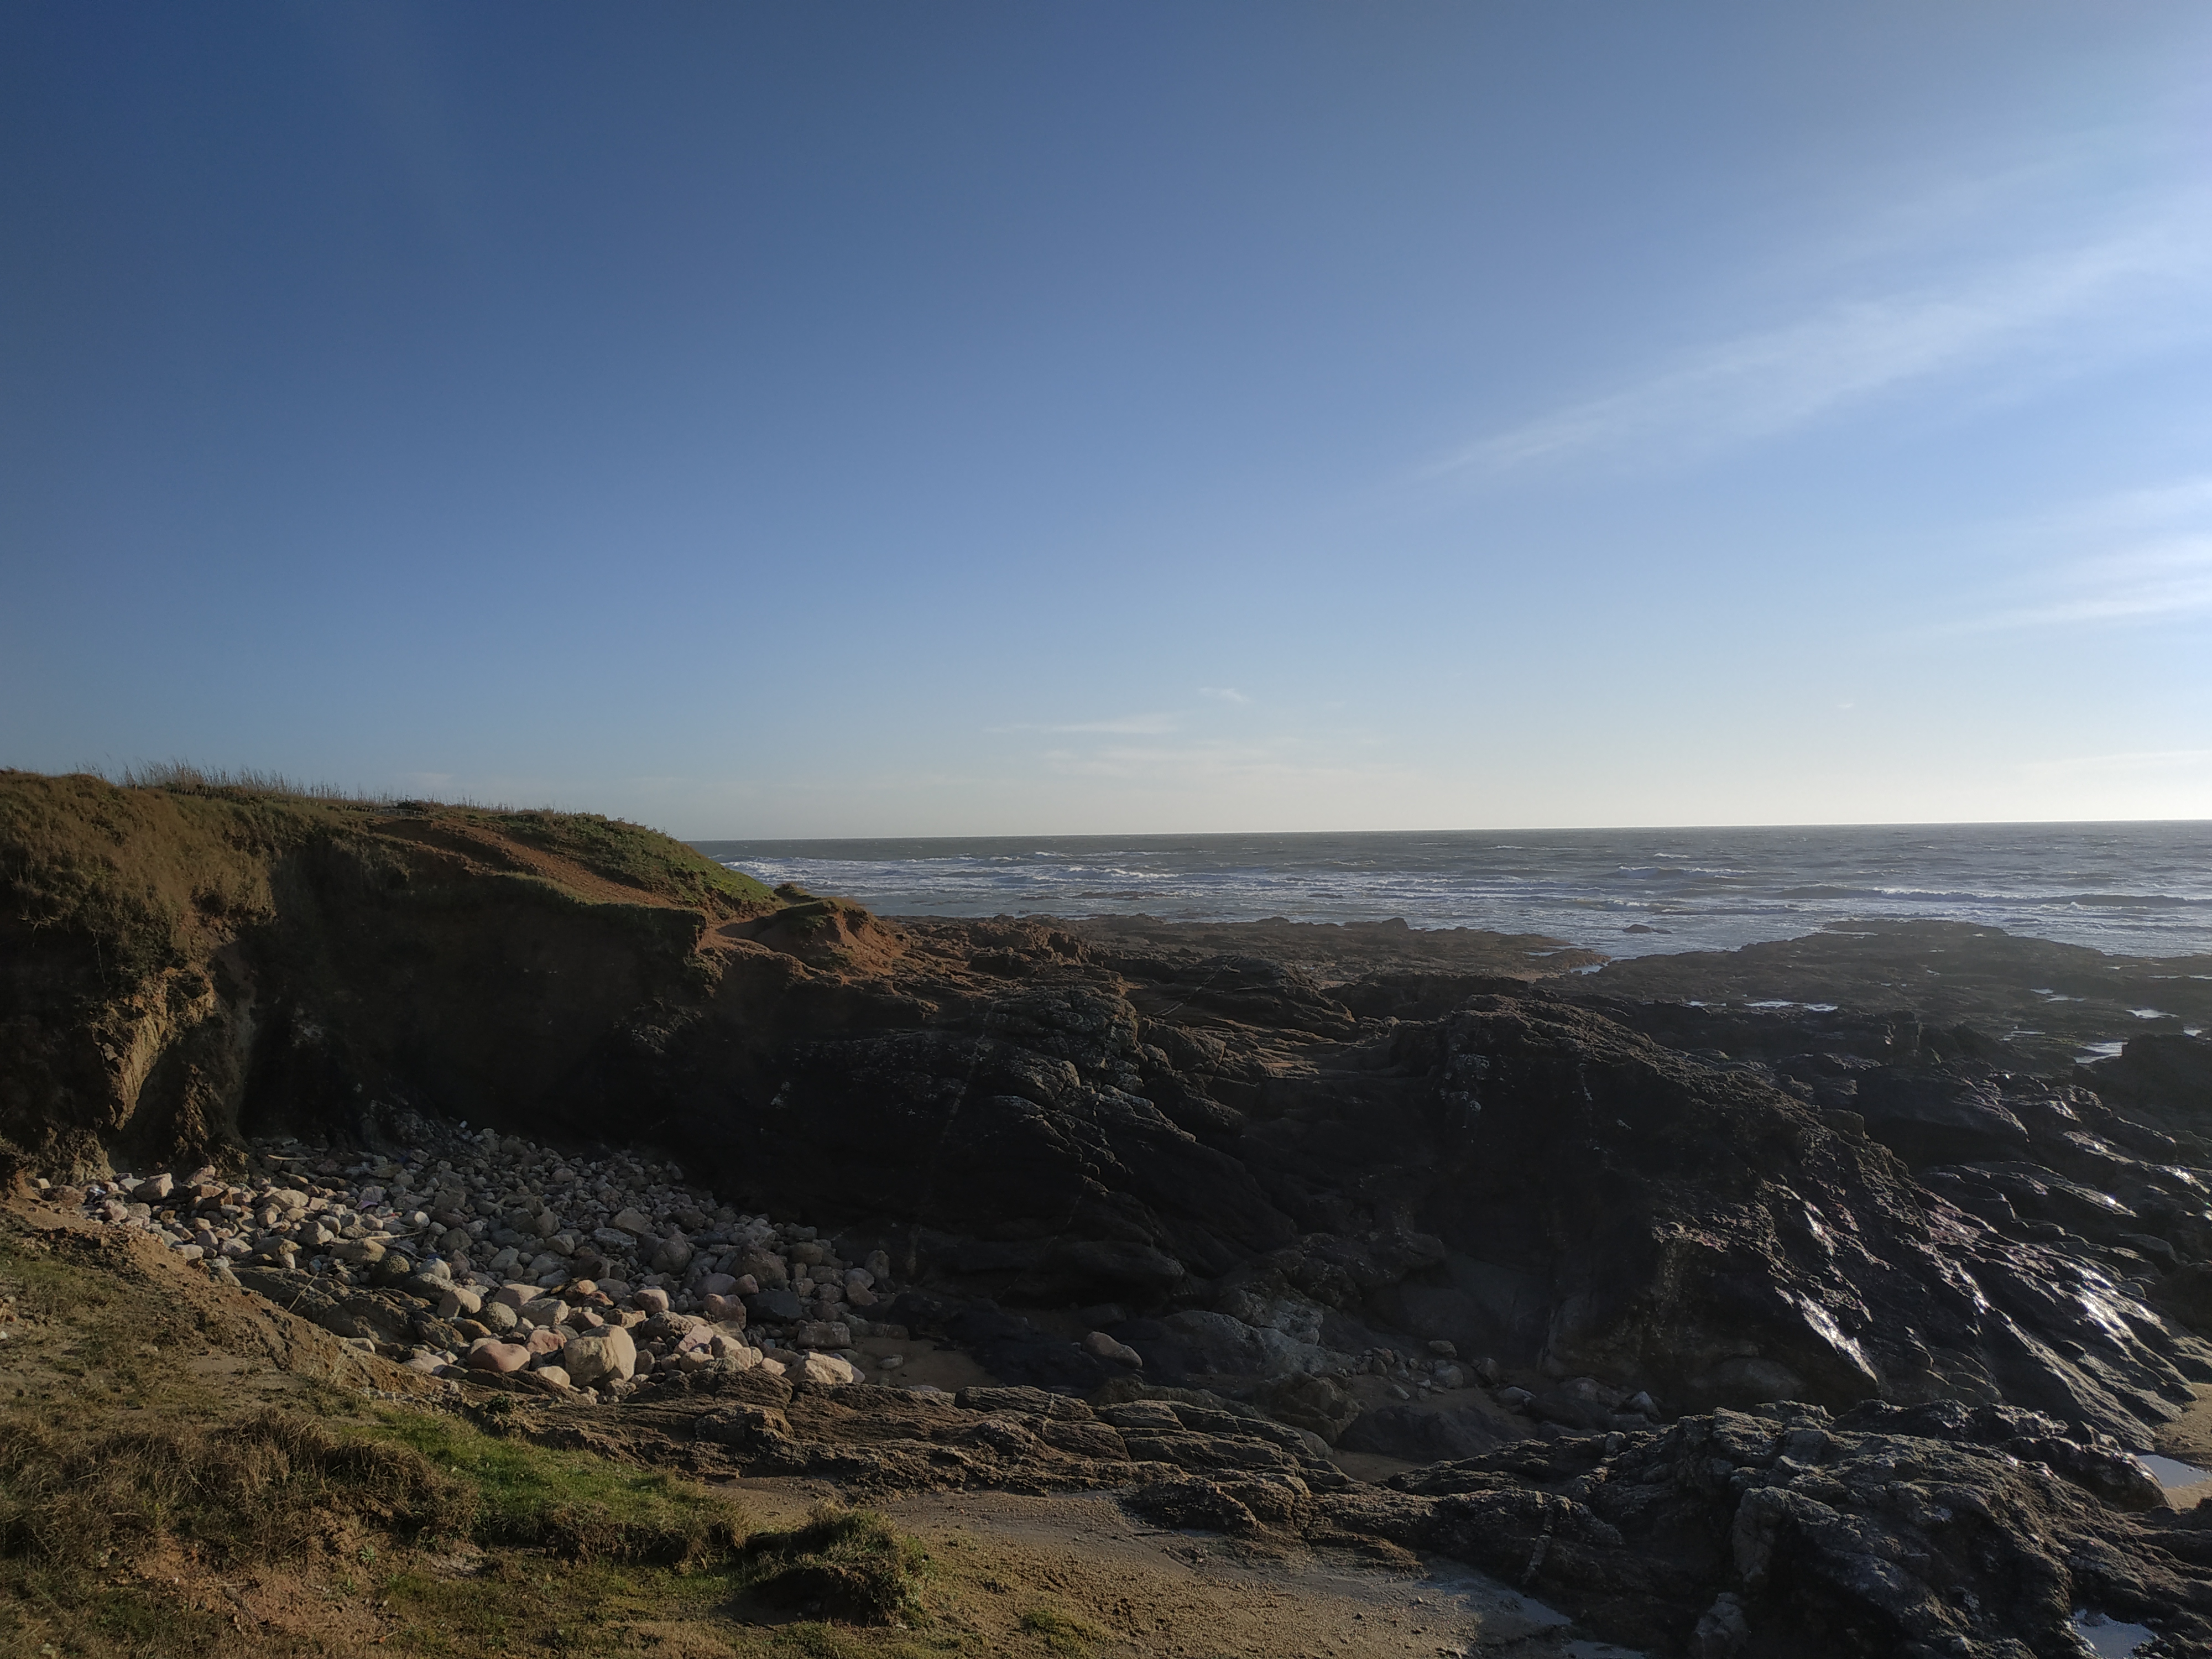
x: 2132, y: 888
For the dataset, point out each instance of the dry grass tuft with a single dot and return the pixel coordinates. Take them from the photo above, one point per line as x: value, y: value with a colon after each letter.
x: 845, y: 1564
x: 182, y: 777
x: 259, y: 1490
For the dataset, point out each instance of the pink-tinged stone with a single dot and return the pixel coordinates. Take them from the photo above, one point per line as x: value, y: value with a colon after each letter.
x: 490, y: 1354
x: 652, y: 1299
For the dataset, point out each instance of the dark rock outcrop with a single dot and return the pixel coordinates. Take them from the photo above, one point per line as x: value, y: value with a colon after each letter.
x: 1975, y: 1270
x: 1935, y: 1530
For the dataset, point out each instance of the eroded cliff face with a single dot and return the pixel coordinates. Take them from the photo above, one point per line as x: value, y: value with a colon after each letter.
x: 1252, y: 1176
x: 175, y: 966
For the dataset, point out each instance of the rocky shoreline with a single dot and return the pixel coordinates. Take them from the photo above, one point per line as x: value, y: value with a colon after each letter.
x: 1669, y: 1537
x: 1245, y: 1403
x: 1729, y: 1314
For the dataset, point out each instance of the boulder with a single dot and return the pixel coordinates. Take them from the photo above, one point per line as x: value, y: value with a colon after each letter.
x: 1201, y: 1342
x: 1417, y: 1436
x: 1106, y: 1347
x: 827, y: 1369
x: 544, y: 1310
x: 778, y: 1306
x: 602, y: 1356
x: 1319, y: 1405
x: 1097, y: 1270
x: 460, y: 1302
x: 762, y: 1266
x: 490, y: 1354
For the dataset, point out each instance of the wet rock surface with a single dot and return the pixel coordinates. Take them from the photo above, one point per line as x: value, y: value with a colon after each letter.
x: 1729, y: 1329
x: 1929, y: 1530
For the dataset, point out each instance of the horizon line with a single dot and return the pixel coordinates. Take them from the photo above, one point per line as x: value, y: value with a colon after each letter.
x: 1500, y: 829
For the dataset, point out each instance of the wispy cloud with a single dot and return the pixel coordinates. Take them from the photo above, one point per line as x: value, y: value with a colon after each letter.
x: 1224, y: 693
x: 1760, y: 385
x: 2190, y: 500
x: 2153, y: 583
x: 2135, y: 555
x: 1121, y: 725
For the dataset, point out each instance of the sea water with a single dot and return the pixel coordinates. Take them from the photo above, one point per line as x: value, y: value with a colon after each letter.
x: 2134, y: 889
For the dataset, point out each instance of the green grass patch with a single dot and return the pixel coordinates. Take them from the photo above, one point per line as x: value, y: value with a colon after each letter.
x: 638, y: 857
x: 581, y: 1507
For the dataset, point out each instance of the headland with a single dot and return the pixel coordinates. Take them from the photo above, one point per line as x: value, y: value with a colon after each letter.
x: 561, y: 1206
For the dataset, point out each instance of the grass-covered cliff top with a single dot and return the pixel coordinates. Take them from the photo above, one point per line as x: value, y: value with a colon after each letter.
x: 151, y: 867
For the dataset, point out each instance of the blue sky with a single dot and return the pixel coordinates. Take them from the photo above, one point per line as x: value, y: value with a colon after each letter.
x: 889, y: 419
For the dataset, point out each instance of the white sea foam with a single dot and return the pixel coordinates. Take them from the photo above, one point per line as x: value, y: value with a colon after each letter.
x: 2138, y: 889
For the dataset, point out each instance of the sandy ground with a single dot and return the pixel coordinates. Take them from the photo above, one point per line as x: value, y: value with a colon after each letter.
x: 2188, y: 1439
x: 1190, y: 1596
x: 921, y: 1361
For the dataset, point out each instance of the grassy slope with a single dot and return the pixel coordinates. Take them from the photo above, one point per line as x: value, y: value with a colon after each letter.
x: 165, y: 1491
x: 157, y: 873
